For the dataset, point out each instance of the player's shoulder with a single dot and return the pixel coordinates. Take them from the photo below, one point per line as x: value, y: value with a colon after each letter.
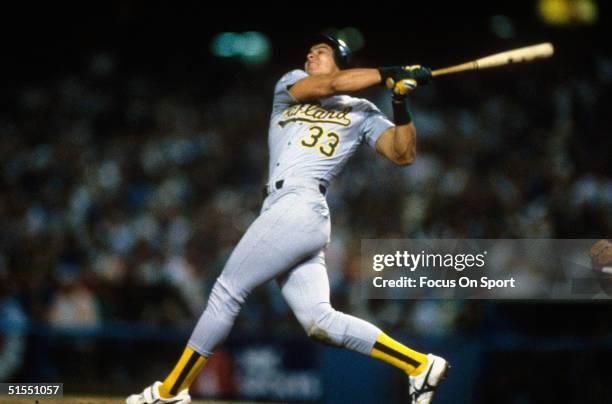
x: 293, y: 75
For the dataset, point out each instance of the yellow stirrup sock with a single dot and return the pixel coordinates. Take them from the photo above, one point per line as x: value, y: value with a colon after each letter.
x: 182, y: 375
x: 391, y: 351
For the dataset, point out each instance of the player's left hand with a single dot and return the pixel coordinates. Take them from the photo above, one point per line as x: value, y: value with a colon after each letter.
x: 421, y: 74
x: 394, y: 74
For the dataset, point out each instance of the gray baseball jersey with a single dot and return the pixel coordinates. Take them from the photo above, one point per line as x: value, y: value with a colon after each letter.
x: 309, y: 143
x: 315, y: 139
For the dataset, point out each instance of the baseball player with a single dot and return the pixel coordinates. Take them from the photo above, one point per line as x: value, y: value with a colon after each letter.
x: 314, y: 129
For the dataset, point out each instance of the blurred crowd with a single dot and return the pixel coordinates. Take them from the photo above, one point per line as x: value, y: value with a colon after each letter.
x: 122, y: 197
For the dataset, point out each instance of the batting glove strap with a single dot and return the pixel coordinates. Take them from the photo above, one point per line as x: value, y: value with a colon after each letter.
x: 401, y: 110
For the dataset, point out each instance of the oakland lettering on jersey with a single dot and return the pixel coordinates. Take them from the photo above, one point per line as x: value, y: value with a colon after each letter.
x: 315, y: 113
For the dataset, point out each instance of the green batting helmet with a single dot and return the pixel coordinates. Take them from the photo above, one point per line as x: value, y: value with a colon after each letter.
x: 342, y: 53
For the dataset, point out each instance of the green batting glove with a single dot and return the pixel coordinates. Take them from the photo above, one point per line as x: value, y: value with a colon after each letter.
x: 391, y: 75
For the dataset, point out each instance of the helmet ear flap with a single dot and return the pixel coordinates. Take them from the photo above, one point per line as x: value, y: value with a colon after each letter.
x: 343, y: 55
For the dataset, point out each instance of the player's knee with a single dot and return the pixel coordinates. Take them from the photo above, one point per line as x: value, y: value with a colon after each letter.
x: 321, y: 334
x: 222, y: 299
x: 320, y: 326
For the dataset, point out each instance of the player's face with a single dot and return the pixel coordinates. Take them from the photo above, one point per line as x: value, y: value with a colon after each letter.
x: 320, y: 60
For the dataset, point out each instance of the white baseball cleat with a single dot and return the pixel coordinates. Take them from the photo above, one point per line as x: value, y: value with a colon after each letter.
x: 423, y: 386
x: 150, y: 395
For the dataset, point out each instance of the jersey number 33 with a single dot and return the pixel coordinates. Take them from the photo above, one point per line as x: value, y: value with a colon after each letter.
x: 327, y: 142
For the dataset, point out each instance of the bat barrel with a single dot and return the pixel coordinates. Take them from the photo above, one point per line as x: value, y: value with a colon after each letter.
x: 520, y: 55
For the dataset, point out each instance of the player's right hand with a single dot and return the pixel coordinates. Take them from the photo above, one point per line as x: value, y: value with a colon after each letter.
x: 402, y: 87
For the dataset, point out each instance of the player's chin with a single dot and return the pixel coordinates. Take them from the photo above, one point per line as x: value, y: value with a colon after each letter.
x: 316, y: 71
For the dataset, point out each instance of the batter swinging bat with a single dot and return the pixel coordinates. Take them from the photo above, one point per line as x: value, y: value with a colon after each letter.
x: 520, y: 55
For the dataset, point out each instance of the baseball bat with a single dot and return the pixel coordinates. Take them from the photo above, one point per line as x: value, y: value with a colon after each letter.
x: 520, y: 55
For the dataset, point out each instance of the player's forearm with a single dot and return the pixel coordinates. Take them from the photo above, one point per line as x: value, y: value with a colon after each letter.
x: 404, y: 144
x: 353, y: 80
x: 404, y: 135
x: 326, y: 85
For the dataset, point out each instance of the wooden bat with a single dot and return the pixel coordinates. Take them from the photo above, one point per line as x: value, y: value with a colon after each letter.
x: 520, y: 55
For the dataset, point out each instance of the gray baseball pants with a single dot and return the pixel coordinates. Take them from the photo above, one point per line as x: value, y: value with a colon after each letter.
x: 286, y: 243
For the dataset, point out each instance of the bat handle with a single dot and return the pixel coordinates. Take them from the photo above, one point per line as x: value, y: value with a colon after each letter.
x: 456, y: 69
